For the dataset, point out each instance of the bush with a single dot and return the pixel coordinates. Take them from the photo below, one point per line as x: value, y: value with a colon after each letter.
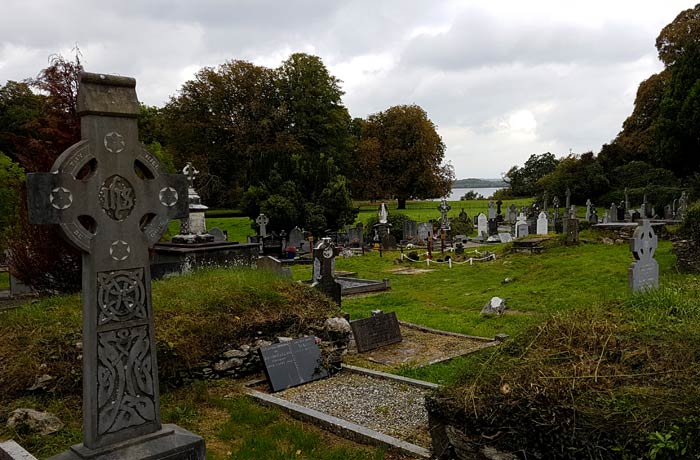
x: 396, y: 221
x: 690, y: 228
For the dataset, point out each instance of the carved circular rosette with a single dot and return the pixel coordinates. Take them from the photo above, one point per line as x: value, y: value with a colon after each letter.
x: 168, y: 196
x: 119, y: 250
x: 114, y: 142
x: 61, y: 198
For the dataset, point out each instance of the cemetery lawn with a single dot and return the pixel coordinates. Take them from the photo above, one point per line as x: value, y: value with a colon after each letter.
x: 4, y: 281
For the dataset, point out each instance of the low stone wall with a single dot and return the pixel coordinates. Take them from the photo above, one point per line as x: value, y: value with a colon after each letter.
x: 687, y: 255
x: 171, y: 258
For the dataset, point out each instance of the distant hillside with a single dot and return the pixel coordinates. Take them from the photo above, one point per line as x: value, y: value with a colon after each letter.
x: 478, y: 183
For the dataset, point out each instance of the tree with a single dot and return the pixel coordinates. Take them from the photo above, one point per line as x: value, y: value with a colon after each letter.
x: 38, y: 254
x: 524, y: 181
x: 581, y: 174
x: 408, y: 153
x: 19, y: 106
x: 11, y: 180
x: 273, y: 141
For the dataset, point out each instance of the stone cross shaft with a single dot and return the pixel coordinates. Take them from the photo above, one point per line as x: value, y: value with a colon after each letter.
x: 113, y: 201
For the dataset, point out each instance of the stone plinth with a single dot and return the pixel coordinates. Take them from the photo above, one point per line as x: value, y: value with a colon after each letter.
x: 180, y: 258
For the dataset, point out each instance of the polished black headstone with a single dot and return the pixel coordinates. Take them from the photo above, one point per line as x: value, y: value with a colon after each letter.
x: 293, y: 363
x: 376, y: 331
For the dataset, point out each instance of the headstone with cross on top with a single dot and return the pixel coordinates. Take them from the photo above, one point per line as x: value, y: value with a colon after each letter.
x: 262, y: 220
x: 644, y: 271
x: 113, y: 201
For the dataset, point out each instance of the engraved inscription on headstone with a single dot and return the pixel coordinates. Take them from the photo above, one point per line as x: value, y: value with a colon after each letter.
x: 293, y: 363
x: 125, y: 205
x: 644, y: 272
x: 376, y: 331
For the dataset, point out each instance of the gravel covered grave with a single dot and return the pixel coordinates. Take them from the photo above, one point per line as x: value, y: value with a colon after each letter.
x: 390, y: 407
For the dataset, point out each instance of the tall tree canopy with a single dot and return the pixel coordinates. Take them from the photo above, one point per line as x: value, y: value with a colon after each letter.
x: 400, y: 150
x: 523, y: 181
x: 270, y: 140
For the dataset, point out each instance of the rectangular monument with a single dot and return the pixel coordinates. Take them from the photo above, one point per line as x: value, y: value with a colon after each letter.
x: 293, y: 363
x: 113, y: 201
x: 376, y: 331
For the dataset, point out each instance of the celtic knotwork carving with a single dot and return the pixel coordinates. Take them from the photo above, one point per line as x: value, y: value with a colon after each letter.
x: 121, y: 295
x: 117, y: 197
x: 124, y: 379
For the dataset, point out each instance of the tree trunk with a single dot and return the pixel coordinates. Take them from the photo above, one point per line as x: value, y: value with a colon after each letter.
x: 402, y: 203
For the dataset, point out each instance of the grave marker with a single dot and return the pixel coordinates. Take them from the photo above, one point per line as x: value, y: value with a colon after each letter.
x: 323, y: 276
x: 542, y: 224
x: 262, y: 220
x: 644, y: 272
x: 482, y: 226
x: 293, y: 363
x: 113, y: 214
x: 376, y: 331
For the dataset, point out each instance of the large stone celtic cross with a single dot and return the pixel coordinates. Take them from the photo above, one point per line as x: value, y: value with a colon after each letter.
x: 113, y: 201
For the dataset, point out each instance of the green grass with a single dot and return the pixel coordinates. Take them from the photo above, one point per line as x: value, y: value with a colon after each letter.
x: 423, y: 211
x: 4, y: 281
x: 451, y: 299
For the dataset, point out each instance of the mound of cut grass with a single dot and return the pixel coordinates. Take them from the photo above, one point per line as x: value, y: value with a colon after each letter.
x: 196, y: 317
x: 612, y: 381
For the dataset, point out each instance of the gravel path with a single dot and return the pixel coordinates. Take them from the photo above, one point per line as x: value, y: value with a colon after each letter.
x: 390, y: 407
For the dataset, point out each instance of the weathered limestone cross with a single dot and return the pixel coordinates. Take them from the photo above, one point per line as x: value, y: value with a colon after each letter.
x: 113, y: 201
x: 262, y: 220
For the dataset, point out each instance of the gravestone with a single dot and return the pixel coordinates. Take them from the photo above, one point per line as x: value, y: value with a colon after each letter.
x: 589, y: 206
x: 217, y: 234
x: 388, y: 242
x: 424, y: 230
x: 444, y: 208
x: 274, y: 265
x: 571, y: 229
x: 482, y: 225
x: 644, y: 271
x: 113, y: 214
x: 262, y: 220
x: 593, y: 218
x: 499, y: 203
x: 356, y: 236
x: 613, y: 213
x: 668, y: 212
x: 682, y: 205
x: 542, y: 224
x: 410, y: 229
x: 376, y: 331
x: 636, y: 216
x: 193, y: 229
x: 296, y: 238
x: 293, y: 363
x: 323, y: 277
x: 492, y: 225
x: 512, y: 214
x: 627, y: 203
x: 521, y: 227
x: 568, y: 198
x: 491, y: 211
x: 463, y: 216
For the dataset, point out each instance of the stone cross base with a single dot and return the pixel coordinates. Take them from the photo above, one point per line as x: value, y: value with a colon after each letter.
x: 193, y: 239
x: 171, y: 443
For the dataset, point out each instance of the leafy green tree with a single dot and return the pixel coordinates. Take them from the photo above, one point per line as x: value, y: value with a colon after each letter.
x: 523, y: 181
x: 19, y: 107
x: 407, y: 152
x: 582, y: 174
x: 11, y: 180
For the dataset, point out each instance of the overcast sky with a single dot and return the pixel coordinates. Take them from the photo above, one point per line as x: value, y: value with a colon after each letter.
x: 501, y: 79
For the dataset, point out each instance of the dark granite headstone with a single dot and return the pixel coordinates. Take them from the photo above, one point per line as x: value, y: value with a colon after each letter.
x: 293, y: 363
x: 376, y: 331
x: 492, y: 225
x: 323, y: 274
x: 113, y: 216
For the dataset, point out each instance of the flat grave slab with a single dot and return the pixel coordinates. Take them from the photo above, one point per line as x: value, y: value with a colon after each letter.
x: 292, y: 363
x: 376, y: 331
x: 420, y: 347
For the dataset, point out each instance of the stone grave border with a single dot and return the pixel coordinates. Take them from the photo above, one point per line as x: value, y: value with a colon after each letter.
x: 356, y: 432
x: 344, y: 428
x: 488, y: 342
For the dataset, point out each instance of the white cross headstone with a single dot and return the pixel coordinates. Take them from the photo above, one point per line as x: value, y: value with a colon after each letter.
x: 542, y: 224
x: 262, y: 220
x: 482, y: 225
x: 521, y: 227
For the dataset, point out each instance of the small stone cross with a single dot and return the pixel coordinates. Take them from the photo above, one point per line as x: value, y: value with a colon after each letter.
x: 113, y: 200
x: 262, y: 220
x: 191, y: 173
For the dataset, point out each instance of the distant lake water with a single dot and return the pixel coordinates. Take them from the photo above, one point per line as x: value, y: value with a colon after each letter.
x: 458, y: 193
